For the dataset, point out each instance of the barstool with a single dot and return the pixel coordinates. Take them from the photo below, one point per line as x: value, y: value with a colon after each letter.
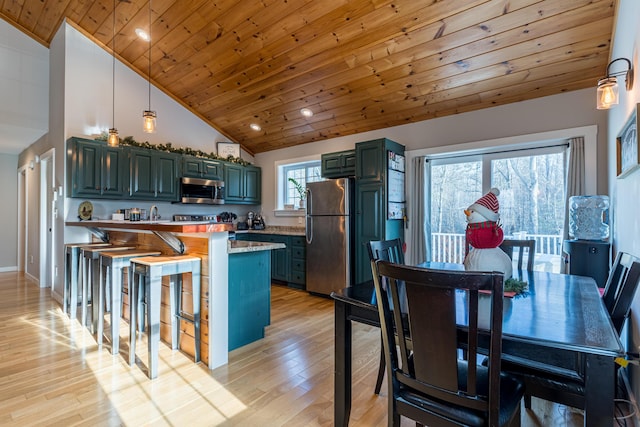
x: 147, y: 273
x: 72, y: 269
x: 112, y: 265
x: 90, y: 279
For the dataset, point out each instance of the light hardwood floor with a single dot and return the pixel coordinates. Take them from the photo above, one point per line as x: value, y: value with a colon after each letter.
x: 52, y: 373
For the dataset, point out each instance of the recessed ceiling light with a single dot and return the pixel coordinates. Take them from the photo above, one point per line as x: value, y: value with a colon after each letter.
x: 255, y: 127
x: 306, y: 112
x: 142, y: 34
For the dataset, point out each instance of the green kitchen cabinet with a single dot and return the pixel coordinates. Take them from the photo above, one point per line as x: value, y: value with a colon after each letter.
x: 153, y: 175
x: 96, y: 170
x: 196, y: 167
x: 340, y: 164
x: 249, y: 297
x: 288, y: 264
x: 371, y: 209
x: 242, y: 184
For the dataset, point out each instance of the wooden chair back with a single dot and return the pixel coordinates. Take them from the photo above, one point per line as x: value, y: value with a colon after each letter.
x: 522, y: 247
x: 427, y: 368
x: 387, y: 250
x: 617, y: 275
x: 624, y: 297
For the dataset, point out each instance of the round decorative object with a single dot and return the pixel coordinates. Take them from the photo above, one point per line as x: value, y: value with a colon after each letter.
x: 85, y: 210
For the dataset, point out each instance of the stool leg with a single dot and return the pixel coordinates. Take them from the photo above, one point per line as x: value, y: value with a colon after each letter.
x: 133, y: 308
x: 96, y: 289
x: 175, y: 291
x: 76, y: 269
x: 67, y: 280
x: 85, y: 285
x: 116, y: 306
x: 100, y: 303
x: 153, y: 287
x: 195, y: 285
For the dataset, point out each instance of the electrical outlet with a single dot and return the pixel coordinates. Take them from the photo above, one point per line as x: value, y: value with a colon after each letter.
x: 300, y: 220
x: 31, y: 259
x: 55, y: 271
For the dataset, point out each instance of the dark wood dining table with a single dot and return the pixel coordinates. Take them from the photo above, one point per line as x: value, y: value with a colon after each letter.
x: 560, y: 324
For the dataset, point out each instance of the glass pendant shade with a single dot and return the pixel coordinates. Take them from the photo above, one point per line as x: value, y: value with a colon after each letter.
x: 149, y: 121
x: 607, y: 93
x: 114, y: 139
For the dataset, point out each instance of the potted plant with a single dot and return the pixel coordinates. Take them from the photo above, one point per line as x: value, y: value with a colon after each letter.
x: 301, y: 191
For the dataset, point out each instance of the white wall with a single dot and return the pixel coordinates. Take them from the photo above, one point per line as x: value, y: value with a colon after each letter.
x: 625, y: 192
x: 24, y: 85
x: 9, y: 215
x: 553, y: 113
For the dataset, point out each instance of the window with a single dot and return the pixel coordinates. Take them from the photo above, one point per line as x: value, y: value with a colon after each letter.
x: 531, y: 184
x: 301, y: 173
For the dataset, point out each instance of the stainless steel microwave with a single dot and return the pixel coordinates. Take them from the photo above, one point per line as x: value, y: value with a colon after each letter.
x: 198, y: 190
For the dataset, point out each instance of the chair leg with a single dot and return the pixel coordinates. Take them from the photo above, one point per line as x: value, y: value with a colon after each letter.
x: 381, y: 369
x: 527, y: 401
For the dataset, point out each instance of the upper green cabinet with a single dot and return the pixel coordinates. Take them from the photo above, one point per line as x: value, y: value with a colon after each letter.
x: 196, y: 167
x: 242, y: 184
x: 153, y: 175
x: 95, y: 169
x: 338, y: 165
x: 99, y: 171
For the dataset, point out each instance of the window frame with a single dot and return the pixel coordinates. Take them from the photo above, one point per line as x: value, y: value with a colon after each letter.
x: 281, y: 184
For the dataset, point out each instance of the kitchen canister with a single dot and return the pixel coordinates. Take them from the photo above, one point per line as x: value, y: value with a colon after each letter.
x: 589, y: 217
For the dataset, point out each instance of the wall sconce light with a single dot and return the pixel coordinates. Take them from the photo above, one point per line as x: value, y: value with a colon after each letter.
x: 608, y: 86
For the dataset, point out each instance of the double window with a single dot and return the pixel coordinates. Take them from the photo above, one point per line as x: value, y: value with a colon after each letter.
x: 531, y: 184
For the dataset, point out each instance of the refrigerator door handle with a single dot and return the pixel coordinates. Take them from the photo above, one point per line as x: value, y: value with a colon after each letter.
x: 309, y: 229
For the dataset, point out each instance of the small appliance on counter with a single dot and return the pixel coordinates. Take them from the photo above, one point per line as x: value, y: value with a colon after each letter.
x: 254, y: 222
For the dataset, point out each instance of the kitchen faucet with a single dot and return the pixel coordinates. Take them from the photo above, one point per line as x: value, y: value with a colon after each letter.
x: 153, y: 213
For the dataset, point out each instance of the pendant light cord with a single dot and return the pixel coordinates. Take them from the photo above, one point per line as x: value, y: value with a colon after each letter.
x: 113, y: 71
x: 149, y: 55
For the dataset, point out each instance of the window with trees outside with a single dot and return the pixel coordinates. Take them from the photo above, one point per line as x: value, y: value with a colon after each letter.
x: 295, y: 178
x: 531, y: 184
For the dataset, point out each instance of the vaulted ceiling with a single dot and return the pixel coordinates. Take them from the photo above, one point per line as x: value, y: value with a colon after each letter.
x: 359, y: 65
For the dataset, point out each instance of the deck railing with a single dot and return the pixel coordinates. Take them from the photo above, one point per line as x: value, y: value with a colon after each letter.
x: 449, y: 247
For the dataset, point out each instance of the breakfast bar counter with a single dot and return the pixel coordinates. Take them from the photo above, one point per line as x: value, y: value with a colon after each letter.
x: 208, y: 241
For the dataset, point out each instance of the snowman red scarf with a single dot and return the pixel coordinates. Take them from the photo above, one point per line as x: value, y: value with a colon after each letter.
x: 484, y: 235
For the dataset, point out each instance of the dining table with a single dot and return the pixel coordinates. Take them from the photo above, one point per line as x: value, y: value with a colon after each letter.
x: 559, y: 324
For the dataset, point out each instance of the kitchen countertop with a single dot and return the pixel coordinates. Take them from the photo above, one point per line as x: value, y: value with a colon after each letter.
x: 278, y: 229
x: 237, y: 246
x: 169, y: 226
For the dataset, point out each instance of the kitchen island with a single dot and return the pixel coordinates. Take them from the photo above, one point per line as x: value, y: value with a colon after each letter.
x: 207, y: 240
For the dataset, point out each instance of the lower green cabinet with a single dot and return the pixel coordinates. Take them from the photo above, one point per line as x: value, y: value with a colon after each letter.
x: 288, y: 265
x: 249, y: 297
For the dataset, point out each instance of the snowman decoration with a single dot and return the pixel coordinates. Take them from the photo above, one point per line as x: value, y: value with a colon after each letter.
x: 485, y: 235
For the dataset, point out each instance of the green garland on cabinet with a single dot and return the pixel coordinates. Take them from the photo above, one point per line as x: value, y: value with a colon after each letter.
x: 128, y: 140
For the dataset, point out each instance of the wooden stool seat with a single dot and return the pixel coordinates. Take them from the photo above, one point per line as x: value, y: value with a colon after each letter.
x: 90, y: 278
x: 146, y: 273
x: 72, y: 269
x: 112, y: 266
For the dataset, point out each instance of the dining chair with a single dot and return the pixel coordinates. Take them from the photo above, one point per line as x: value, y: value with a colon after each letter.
x: 568, y: 387
x: 512, y: 245
x: 387, y: 250
x: 617, y: 273
x: 427, y: 382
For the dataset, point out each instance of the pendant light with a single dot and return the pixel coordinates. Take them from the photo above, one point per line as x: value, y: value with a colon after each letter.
x: 149, y: 116
x: 114, y: 139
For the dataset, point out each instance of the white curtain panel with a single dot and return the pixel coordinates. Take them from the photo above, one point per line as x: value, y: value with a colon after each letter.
x: 419, y: 212
x: 575, y: 182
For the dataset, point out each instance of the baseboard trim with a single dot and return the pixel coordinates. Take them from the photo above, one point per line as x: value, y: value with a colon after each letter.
x: 8, y: 269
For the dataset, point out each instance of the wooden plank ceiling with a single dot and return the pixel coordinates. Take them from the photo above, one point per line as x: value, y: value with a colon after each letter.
x: 358, y: 65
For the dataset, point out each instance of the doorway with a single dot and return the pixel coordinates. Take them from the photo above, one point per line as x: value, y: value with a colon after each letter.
x: 47, y: 223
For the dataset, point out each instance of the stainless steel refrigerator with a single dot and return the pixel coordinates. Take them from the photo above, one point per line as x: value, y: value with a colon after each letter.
x: 329, y: 228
